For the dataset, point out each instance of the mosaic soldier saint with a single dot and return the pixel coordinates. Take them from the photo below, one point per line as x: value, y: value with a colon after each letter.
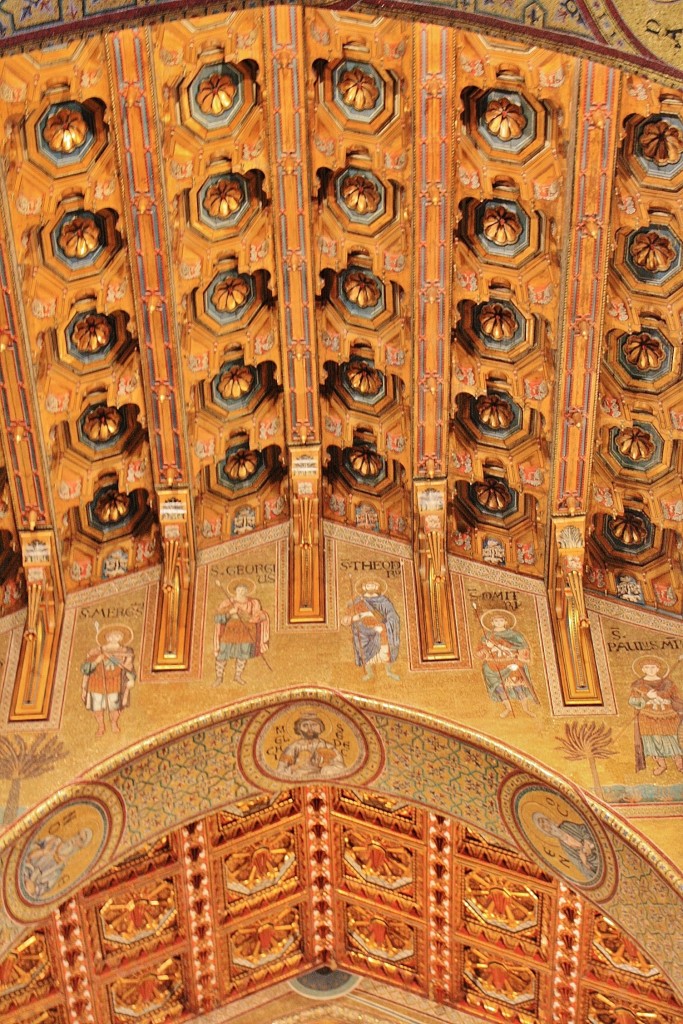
x: 375, y: 628
x: 658, y: 715
x: 242, y: 632
x: 108, y: 676
x: 505, y: 655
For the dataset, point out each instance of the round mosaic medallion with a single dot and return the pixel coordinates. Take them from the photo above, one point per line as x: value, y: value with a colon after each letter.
x: 569, y: 842
x: 62, y: 850
x: 310, y: 741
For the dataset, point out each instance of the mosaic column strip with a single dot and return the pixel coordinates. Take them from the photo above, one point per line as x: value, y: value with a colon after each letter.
x: 197, y: 886
x: 130, y: 70
x: 318, y: 831
x: 579, y: 367
x: 567, y: 969
x: 440, y: 910
x: 284, y: 67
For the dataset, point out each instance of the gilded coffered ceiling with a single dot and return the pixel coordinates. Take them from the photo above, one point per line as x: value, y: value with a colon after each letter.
x: 300, y: 265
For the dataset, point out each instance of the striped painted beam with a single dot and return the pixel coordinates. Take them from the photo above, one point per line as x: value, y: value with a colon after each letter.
x: 579, y: 358
x: 435, y: 90
x: 139, y: 152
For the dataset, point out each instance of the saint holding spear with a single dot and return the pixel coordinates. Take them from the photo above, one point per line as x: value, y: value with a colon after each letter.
x: 242, y: 631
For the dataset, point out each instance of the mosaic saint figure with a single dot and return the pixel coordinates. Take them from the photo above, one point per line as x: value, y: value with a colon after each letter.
x: 108, y: 676
x: 309, y: 756
x: 375, y: 629
x: 46, y: 860
x: 576, y: 841
x: 505, y: 655
x: 658, y: 715
x: 242, y: 632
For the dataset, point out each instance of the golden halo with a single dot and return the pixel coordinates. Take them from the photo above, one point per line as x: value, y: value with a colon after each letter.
x: 650, y: 659
x: 360, y: 583
x: 126, y: 634
x: 493, y: 613
x: 249, y: 585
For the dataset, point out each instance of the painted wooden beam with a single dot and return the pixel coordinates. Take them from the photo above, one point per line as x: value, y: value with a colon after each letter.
x: 435, y: 90
x: 579, y: 357
x: 29, y: 485
x: 285, y: 102
x: 139, y: 153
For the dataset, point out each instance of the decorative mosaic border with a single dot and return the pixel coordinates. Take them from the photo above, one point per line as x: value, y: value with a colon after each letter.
x: 599, y: 31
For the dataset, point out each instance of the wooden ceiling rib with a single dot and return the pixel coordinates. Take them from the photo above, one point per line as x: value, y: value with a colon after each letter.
x: 276, y: 885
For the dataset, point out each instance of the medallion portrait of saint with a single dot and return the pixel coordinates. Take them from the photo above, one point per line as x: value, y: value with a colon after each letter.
x: 505, y: 655
x: 108, y: 675
x: 241, y: 631
x: 310, y: 756
x: 575, y: 841
x: 46, y: 860
x: 658, y: 716
x: 375, y: 628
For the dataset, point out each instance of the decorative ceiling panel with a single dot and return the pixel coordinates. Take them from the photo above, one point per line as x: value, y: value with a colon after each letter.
x: 340, y: 232
x: 511, y: 175
x: 217, y: 179
x: 637, y: 499
x: 66, y: 247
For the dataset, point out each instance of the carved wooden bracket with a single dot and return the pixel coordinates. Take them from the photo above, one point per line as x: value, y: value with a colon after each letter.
x: 172, y: 633
x: 42, y: 630
x: 438, y: 638
x: 576, y: 659
x: 306, y: 554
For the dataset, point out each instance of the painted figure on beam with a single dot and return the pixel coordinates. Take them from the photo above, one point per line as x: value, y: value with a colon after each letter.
x: 375, y: 629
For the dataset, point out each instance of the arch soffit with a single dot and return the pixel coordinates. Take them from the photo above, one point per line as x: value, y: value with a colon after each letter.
x: 240, y: 750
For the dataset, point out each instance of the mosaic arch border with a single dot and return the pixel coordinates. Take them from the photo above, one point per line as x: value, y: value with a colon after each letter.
x: 643, y: 36
x: 400, y: 753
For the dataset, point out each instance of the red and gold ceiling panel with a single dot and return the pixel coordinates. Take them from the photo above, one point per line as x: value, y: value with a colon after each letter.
x: 275, y: 886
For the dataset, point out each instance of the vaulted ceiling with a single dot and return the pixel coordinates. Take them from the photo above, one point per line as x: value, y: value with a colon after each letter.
x: 294, y: 265
x: 304, y: 265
